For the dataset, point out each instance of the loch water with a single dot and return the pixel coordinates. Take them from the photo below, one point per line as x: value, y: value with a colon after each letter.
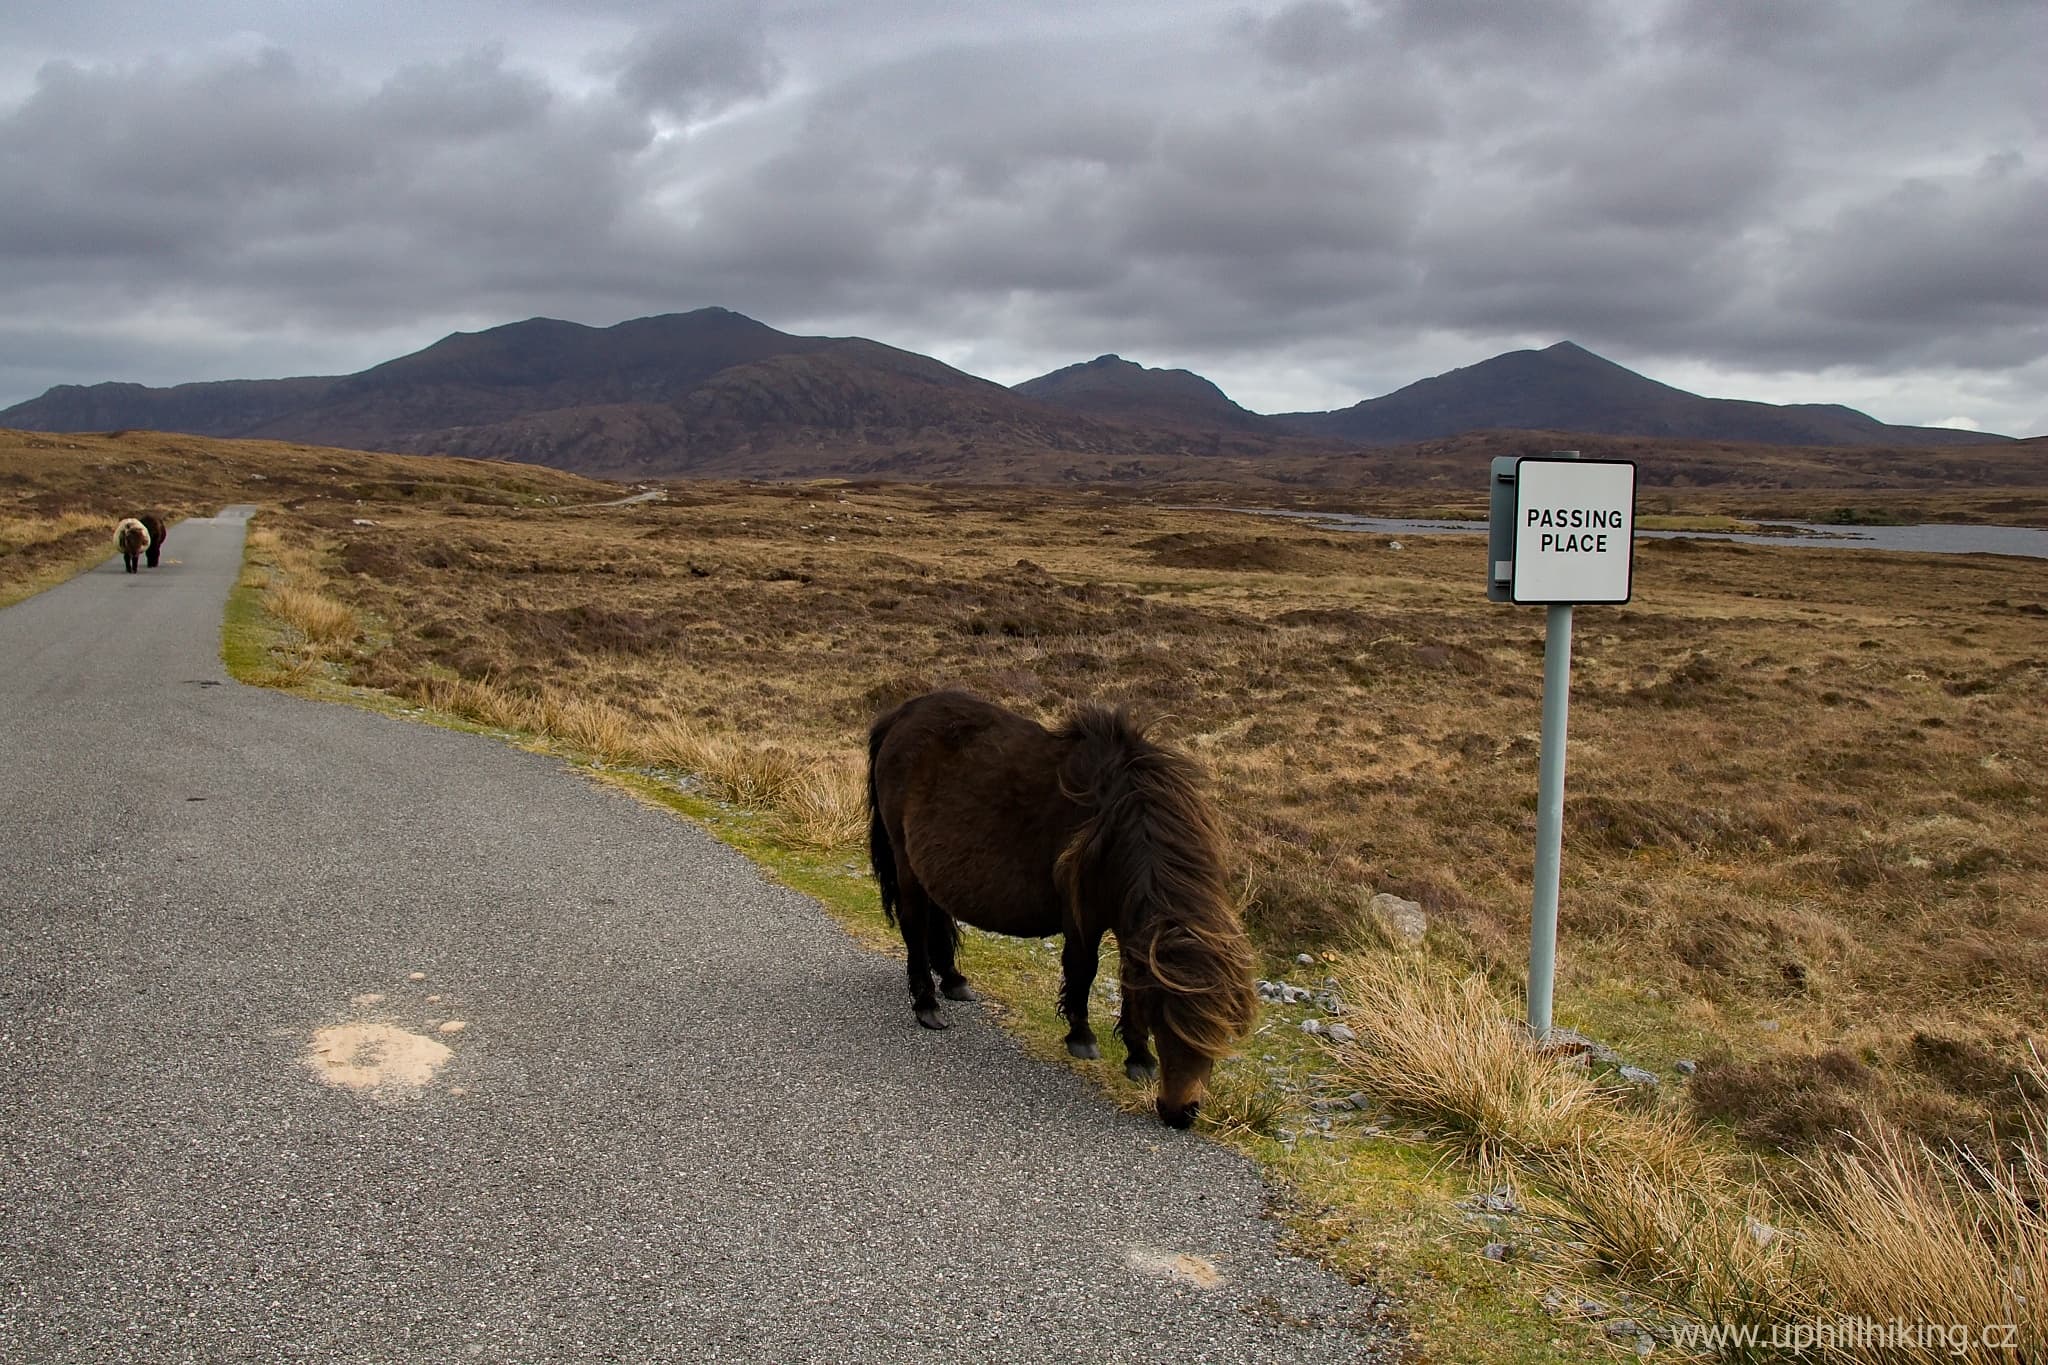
x: 1930, y: 538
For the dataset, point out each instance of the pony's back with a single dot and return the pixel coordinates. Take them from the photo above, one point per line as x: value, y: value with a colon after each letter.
x: 977, y: 783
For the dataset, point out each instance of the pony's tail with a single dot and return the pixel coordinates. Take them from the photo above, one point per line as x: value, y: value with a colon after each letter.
x: 881, y: 853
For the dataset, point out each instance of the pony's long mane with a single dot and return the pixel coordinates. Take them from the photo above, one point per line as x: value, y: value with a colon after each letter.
x: 1150, y: 852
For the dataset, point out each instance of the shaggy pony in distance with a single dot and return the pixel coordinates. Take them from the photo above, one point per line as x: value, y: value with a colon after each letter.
x: 133, y: 538
x: 983, y: 816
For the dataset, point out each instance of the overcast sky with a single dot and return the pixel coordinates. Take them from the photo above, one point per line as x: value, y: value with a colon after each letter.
x: 1310, y: 203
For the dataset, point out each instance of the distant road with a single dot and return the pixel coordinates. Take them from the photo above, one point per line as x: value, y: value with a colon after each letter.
x: 683, y: 1117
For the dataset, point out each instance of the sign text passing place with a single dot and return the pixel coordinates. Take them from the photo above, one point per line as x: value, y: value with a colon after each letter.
x: 1575, y: 524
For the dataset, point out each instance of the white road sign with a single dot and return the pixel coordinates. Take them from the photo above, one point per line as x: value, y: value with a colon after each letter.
x: 1575, y: 524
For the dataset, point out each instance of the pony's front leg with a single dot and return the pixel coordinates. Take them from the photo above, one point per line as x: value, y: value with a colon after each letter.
x: 1077, y: 978
x: 1136, y: 1031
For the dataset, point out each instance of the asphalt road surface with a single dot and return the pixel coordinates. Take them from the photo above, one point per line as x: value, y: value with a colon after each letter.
x: 684, y: 1117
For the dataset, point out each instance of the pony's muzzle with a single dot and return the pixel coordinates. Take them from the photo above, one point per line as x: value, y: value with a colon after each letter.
x: 1179, y: 1116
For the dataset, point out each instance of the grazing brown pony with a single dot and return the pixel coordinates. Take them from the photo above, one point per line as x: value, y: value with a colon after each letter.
x: 153, y: 524
x: 984, y: 816
x: 133, y: 538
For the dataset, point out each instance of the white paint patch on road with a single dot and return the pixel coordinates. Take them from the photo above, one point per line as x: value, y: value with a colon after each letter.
x: 381, y: 1059
x: 1199, y: 1271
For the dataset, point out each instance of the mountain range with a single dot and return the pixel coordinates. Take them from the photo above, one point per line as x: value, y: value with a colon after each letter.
x: 713, y: 391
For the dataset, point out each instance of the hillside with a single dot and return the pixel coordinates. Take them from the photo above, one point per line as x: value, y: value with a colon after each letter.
x: 712, y: 392
x: 1567, y: 388
x: 676, y: 394
x: 1112, y: 387
x: 229, y: 407
x: 115, y: 475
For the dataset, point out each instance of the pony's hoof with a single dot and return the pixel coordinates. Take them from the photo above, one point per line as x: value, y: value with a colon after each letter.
x: 959, y: 990
x: 930, y: 1019
x: 1084, y: 1048
x: 1143, y: 1075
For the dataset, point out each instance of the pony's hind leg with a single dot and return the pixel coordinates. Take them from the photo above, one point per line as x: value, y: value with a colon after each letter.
x: 942, y: 936
x: 915, y: 916
x: 1077, y: 978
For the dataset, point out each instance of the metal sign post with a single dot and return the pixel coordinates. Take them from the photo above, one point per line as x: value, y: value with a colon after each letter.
x: 1557, y: 701
x: 1561, y: 531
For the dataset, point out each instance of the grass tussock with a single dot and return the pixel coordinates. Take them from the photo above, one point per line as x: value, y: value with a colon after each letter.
x: 819, y: 801
x: 585, y: 723
x: 1895, y: 1231
x: 479, y: 702
x: 322, y: 621
x: 1890, y: 1231
x: 1437, y: 1048
x: 827, y: 806
x: 1671, y: 1221
x: 749, y: 773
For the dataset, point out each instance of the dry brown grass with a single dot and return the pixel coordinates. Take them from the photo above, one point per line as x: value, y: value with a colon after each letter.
x: 1620, y: 1193
x: 38, y: 551
x: 113, y: 475
x: 1690, y: 1235
x: 322, y: 621
x: 21, y: 533
x: 1439, y: 1049
x: 826, y: 806
x: 594, y: 726
x: 1890, y: 1231
x: 816, y: 801
x: 478, y: 700
x: 1899, y: 1233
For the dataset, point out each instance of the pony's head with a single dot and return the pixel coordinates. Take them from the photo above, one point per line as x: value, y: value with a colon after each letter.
x: 1149, y: 858
x: 1190, y: 981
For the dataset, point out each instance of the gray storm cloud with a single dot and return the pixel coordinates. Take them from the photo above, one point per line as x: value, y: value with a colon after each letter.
x: 698, y: 66
x: 1322, y: 197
